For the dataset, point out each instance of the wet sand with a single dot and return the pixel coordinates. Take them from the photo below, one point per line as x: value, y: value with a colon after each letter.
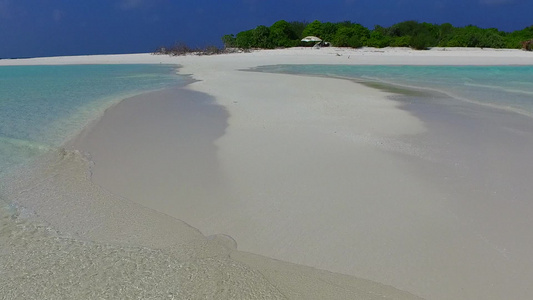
x: 158, y: 148
x: 98, y: 235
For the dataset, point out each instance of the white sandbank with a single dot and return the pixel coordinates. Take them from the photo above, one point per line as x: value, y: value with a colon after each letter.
x: 372, y: 56
x: 309, y: 170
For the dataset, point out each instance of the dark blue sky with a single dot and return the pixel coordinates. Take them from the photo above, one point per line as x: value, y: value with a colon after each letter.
x: 70, y: 27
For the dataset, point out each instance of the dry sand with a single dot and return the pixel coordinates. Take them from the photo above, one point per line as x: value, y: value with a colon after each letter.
x: 312, y: 171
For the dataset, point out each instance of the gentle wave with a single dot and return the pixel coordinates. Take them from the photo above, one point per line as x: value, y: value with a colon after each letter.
x: 40, y: 147
x: 41, y: 107
x: 25, y: 150
x: 501, y: 87
x: 37, y: 263
x: 499, y: 106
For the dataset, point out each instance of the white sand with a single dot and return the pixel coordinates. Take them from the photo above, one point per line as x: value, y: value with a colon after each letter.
x: 312, y: 171
x: 393, y: 56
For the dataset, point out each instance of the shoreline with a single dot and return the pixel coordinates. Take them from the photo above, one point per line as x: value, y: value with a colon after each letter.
x: 276, y: 154
x: 98, y: 218
x: 303, y: 55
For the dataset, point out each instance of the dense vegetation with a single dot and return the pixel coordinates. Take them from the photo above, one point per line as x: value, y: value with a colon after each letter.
x: 405, y: 34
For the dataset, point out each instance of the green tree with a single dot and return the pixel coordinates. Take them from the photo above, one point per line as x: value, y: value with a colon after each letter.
x: 328, y: 31
x: 260, y: 37
x: 422, y: 40
x: 351, y: 35
x: 423, y: 36
x: 401, y: 41
x: 380, y: 29
x: 244, y: 39
x: 473, y: 36
x: 378, y: 38
x: 343, y: 37
x: 416, y: 35
x: 298, y: 27
x: 313, y: 28
x: 282, y: 35
x: 406, y: 28
x: 361, y: 31
x: 409, y: 33
x: 514, y: 39
x: 445, y: 33
x: 492, y: 38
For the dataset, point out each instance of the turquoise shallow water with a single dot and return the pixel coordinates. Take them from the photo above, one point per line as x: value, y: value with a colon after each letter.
x: 63, y: 237
x: 43, y: 106
x: 503, y: 87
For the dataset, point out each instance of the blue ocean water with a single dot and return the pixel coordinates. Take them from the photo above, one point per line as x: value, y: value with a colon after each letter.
x: 504, y: 87
x: 43, y: 106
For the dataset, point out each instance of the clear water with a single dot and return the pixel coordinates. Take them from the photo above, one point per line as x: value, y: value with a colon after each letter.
x: 43, y: 106
x: 503, y: 87
x: 84, y: 250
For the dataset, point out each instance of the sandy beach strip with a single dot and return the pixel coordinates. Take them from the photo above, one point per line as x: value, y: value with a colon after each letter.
x: 330, y: 55
x: 299, y: 169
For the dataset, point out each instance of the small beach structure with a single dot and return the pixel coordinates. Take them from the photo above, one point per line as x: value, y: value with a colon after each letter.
x: 312, y: 38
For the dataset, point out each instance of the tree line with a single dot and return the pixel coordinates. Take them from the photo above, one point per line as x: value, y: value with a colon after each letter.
x: 414, y: 34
